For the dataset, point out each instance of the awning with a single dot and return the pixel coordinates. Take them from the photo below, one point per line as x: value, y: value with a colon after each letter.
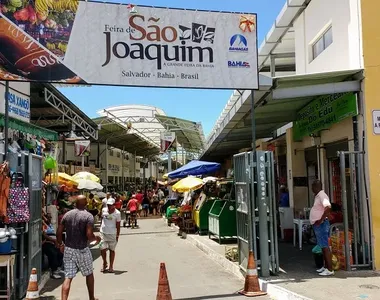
x: 195, y: 168
x: 29, y: 128
x: 276, y: 108
x: 49, y: 108
x: 118, y: 136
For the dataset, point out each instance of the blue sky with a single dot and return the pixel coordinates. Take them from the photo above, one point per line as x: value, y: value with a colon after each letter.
x: 197, y: 105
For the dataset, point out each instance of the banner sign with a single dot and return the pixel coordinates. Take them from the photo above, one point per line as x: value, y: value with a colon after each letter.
x: 167, y: 139
x: 71, y: 41
x: 323, y: 112
x: 82, y: 148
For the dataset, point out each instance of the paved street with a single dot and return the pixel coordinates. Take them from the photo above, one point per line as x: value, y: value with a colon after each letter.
x: 191, y: 274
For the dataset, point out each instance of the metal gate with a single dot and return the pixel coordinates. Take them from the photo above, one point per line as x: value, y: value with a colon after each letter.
x: 356, y: 216
x: 34, y: 171
x: 256, y: 210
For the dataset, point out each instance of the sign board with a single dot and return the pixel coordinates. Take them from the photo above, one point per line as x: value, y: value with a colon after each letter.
x: 18, y: 103
x: 118, y: 44
x: 376, y: 121
x: 323, y: 112
x: 167, y: 139
x: 82, y: 148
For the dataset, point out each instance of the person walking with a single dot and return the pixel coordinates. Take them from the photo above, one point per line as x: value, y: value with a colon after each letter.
x: 319, y: 214
x: 132, y: 207
x: 79, y: 225
x: 110, y: 232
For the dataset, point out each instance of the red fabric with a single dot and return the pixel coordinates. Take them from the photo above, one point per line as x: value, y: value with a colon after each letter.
x: 140, y: 197
x: 118, y: 204
x: 132, y: 205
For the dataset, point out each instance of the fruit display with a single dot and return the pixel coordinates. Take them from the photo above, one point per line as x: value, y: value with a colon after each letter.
x: 48, y: 21
x: 22, y: 58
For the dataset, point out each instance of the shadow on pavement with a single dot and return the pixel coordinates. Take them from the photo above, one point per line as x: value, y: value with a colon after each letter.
x: 211, y: 297
x: 299, y: 266
x: 115, y: 272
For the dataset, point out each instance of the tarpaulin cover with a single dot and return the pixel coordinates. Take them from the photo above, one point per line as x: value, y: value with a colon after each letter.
x: 194, y: 168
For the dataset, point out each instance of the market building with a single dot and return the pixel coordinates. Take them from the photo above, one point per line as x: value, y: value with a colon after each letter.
x: 310, y: 111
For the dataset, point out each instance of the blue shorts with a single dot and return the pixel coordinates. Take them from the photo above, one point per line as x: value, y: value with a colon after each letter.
x: 145, y: 206
x: 322, y: 233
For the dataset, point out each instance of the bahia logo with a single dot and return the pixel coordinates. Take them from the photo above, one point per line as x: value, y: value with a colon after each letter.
x: 238, y: 64
x: 238, y: 43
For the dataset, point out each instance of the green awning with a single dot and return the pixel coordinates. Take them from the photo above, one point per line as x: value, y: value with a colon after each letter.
x: 30, y: 129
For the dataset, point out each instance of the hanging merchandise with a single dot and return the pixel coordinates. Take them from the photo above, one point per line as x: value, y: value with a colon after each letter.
x: 50, y: 163
x: 18, y: 206
x: 5, y: 182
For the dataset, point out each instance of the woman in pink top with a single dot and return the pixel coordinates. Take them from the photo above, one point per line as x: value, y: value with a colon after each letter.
x: 132, y: 206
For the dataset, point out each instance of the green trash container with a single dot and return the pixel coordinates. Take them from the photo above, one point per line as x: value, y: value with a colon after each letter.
x: 222, y: 220
x: 201, y: 216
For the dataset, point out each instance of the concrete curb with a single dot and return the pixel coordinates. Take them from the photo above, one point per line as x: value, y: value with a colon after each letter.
x: 272, y: 289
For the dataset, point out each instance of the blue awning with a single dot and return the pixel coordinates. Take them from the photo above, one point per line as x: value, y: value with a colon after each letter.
x: 195, y: 168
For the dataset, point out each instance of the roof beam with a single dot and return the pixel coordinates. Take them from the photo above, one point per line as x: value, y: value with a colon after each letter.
x: 64, y: 109
x: 316, y: 90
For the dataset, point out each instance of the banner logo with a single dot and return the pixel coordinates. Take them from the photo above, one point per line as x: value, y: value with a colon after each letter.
x: 139, y: 31
x: 238, y: 43
x: 238, y: 64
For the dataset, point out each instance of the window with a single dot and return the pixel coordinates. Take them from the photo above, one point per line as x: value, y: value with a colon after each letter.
x: 118, y: 154
x: 322, y: 43
x: 111, y: 152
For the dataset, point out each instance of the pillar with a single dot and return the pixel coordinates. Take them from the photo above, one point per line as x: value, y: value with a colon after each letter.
x: 371, y: 45
x: 296, y: 166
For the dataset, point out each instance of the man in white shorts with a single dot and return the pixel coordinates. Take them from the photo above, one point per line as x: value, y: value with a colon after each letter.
x: 109, y: 231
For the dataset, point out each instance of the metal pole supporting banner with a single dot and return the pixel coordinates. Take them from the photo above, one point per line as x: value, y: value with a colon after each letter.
x: 106, y: 166
x: 122, y: 169
x: 251, y: 202
x: 6, y: 120
x: 169, y: 161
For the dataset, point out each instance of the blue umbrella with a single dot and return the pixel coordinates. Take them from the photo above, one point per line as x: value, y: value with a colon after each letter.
x: 195, y: 168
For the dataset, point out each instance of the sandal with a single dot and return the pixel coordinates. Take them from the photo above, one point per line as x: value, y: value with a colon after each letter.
x: 104, y: 269
x: 111, y: 271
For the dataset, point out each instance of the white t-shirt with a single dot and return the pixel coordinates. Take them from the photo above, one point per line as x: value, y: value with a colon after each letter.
x: 109, y: 221
x: 321, y: 201
x: 104, y: 203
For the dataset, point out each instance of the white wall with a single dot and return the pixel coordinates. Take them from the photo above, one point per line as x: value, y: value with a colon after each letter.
x: 346, y: 50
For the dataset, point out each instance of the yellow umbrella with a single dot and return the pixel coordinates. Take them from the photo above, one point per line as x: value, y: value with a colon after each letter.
x: 187, y: 184
x: 86, y: 176
x: 62, y: 178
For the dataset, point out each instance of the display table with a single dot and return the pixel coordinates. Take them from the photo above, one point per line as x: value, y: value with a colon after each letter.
x: 300, y: 223
x: 7, y: 262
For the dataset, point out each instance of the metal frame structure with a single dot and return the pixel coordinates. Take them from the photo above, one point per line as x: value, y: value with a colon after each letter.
x: 355, y: 212
x: 256, y: 210
x: 67, y: 112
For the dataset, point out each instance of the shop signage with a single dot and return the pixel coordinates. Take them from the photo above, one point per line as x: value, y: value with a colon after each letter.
x: 376, y: 121
x: 167, y: 139
x: 19, y: 105
x: 82, y: 148
x: 323, y: 112
x: 114, y: 44
x: 113, y: 168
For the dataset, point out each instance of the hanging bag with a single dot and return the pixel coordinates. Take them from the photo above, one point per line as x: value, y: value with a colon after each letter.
x: 18, y: 204
x: 5, y: 182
